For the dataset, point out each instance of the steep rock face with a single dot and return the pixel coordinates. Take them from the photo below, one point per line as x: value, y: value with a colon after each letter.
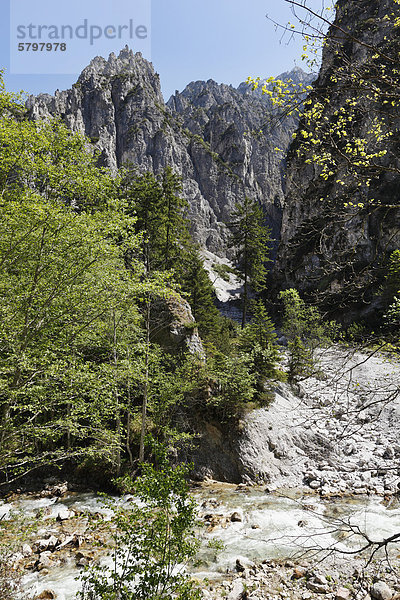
x: 340, y: 435
x: 240, y: 135
x: 338, y: 231
x: 214, y: 135
x: 173, y: 326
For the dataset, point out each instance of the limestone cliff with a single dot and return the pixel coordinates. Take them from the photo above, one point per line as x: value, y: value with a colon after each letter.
x: 338, y: 229
x: 217, y: 137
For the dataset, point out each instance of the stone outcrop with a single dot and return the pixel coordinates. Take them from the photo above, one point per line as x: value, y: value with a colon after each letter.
x: 217, y: 137
x: 173, y: 326
x: 336, y: 434
x: 336, y: 237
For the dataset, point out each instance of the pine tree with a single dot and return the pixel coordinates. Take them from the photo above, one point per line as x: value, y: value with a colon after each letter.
x: 159, y: 210
x: 195, y: 281
x: 250, y: 238
x: 260, y: 340
x: 175, y: 225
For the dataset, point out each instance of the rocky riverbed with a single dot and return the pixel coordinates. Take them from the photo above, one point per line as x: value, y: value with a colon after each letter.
x: 255, y: 544
x: 337, y: 432
x: 317, y: 477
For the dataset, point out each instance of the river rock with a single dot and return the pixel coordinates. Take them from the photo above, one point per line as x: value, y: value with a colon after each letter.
x: 314, y: 484
x: 239, y: 566
x: 27, y: 550
x: 318, y: 588
x: 44, y: 560
x: 17, y: 559
x: 237, y: 591
x: 47, y: 543
x: 46, y: 595
x: 70, y: 539
x: 299, y: 572
x: 342, y: 593
x: 388, y: 454
x: 320, y: 579
x: 63, y: 513
x: 236, y: 517
x: 61, y: 489
x: 210, y: 502
x: 381, y: 591
x: 82, y: 560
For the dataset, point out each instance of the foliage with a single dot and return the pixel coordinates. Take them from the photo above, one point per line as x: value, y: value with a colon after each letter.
x: 159, y: 212
x: 330, y: 137
x: 47, y: 158
x: 347, y: 145
x: 61, y: 281
x: 195, y: 282
x: 391, y: 299
x: 229, y: 385
x: 259, y: 339
x: 305, y: 331
x: 250, y: 238
x: 72, y: 345
x: 223, y: 271
x: 392, y: 279
x: 152, y: 540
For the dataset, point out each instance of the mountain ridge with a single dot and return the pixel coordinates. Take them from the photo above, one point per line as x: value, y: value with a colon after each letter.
x: 215, y: 136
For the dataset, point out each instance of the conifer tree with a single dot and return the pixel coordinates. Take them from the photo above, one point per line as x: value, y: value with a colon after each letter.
x: 260, y: 340
x: 196, y: 283
x: 175, y: 225
x: 250, y: 238
x: 159, y: 209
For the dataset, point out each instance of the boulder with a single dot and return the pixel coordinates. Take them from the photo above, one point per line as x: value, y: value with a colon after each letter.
x: 318, y: 588
x: 44, y: 561
x: 320, y: 579
x: 239, y: 566
x: 27, y: 550
x: 46, y: 595
x: 174, y: 327
x: 299, y: 572
x: 342, y: 593
x: 236, y: 517
x: 381, y: 591
x: 63, y: 513
x: 237, y: 591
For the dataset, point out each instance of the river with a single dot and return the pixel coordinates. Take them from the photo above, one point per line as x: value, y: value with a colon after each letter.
x: 242, y: 523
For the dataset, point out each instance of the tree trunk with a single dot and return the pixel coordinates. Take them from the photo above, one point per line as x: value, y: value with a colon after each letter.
x: 146, y: 383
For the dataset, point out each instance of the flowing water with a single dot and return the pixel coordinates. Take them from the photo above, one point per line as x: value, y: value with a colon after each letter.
x: 270, y: 526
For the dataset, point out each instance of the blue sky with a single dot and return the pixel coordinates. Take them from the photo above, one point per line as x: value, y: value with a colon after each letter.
x: 225, y: 40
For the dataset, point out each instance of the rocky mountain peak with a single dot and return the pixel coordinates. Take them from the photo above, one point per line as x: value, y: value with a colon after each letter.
x: 127, y: 66
x: 211, y: 134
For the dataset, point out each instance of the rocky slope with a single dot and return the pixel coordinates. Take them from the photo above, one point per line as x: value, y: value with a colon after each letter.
x: 217, y: 137
x: 338, y: 230
x: 336, y: 433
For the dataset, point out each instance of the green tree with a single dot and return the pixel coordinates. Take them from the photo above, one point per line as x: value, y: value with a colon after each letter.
x: 346, y: 148
x: 176, y: 225
x: 228, y: 385
x: 47, y: 158
x: 159, y: 210
x: 151, y: 541
x: 305, y: 331
x: 392, y: 279
x: 195, y: 282
x: 250, y: 238
x: 62, y: 277
x: 259, y: 339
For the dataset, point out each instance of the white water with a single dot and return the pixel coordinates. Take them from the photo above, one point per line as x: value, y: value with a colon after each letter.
x: 285, y: 527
